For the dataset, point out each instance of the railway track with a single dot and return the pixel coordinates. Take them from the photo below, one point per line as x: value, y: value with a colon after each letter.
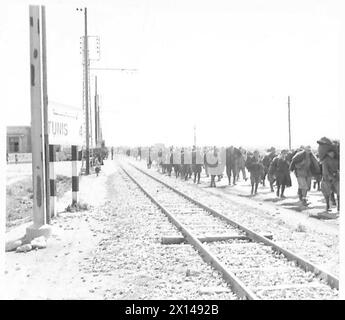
x: 252, y: 264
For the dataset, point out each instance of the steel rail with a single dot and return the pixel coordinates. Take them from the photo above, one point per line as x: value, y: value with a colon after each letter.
x: 235, y: 283
x: 303, y: 263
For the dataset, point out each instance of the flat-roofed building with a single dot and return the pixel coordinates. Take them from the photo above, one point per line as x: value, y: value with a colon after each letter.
x: 18, y: 139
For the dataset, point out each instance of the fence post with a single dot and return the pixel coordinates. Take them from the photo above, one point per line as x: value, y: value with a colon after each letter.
x: 75, y: 175
x: 52, y: 175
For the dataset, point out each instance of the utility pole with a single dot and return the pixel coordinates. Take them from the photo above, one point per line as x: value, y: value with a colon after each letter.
x: 90, y: 117
x: 195, y: 135
x: 289, y: 122
x: 96, y: 113
x: 86, y: 71
x: 86, y: 93
x: 99, y: 135
x: 39, y: 226
x: 45, y: 113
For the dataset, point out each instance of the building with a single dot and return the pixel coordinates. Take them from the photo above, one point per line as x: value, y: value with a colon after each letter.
x: 18, y: 139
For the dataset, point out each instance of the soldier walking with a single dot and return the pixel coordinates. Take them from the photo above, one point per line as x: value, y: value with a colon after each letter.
x: 266, y: 161
x: 256, y: 170
x: 213, y: 168
x: 196, y: 167
x: 305, y: 165
x: 241, y: 164
x: 279, y: 169
x: 329, y: 156
x: 205, y: 162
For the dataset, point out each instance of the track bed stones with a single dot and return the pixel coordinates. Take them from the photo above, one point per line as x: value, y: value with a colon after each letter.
x: 324, y: 253
x: 202, y: 224
x: 261, y: 267
x: 261, y: 276
x: 131, y: 259
x: 258, y: 266
x: 299, y: 293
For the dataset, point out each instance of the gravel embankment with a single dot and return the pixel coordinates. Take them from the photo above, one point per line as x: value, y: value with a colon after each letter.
x: 132, y: 255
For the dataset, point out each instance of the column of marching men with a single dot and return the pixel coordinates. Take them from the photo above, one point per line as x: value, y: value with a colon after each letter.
x: 320, y: 167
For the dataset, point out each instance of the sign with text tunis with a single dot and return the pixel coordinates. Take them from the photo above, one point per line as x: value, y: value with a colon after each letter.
x: 65, y: 124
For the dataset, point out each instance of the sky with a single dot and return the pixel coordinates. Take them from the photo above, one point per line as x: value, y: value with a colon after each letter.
x: 226, y: 67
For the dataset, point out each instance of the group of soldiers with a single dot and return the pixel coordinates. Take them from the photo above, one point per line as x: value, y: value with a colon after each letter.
x: 322, y: 167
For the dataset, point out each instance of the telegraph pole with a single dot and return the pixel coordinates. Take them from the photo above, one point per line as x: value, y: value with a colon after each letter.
x: 90, y: 119
x: 96, y: 113
x: 99, y: 135
x: 86, y: 93
x: 289, y: 122
x: 195, y: 135
x: 86, y: 66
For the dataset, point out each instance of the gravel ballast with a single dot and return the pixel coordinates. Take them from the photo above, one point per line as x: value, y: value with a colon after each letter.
x: 246, y: 255
x: 132, y: 255
x: 320, y: 248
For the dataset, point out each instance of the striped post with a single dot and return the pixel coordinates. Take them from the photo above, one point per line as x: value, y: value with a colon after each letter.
x: 52, y: 177
x: 75, y: 175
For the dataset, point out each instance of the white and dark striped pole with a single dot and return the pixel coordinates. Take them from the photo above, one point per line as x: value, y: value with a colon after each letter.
x: 52, y: 176
x: 75, y: 175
